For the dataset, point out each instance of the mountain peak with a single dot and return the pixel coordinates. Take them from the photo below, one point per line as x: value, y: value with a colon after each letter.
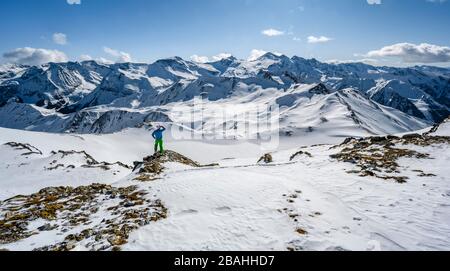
x: 228, y: 59
x: 272, y: 56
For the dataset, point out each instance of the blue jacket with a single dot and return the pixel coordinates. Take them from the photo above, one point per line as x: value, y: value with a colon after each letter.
x: 158, y: 134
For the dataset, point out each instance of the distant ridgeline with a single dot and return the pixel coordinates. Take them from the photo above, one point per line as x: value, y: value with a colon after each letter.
x: 91, y: 97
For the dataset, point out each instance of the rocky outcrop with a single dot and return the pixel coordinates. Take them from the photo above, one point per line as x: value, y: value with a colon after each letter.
x: 266, y: 158
x: 90, y: 162
x: 77, y: 210
x: 27, y: 149
x: 378, y: 156
x: 152, y: 166
x: 299, y: 153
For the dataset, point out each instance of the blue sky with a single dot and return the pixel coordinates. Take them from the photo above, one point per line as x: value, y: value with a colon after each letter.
x: 382, y: 32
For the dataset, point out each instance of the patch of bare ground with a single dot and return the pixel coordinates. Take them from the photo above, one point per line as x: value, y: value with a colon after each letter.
x: 299, y: 224
x: 90, y: 161
x: 98, y: 217
x: 300, y: 153
x: 378, y: 156
x: 266, y: 158
x: 29, y: 149
x: 152, y: 166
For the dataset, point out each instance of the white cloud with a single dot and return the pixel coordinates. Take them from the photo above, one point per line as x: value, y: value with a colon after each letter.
x: 101, y: 60
x: 34, y: 56
x: 104, y: 60
x: 255, y: 54
x: 374, y: 2
x: 85, y: 57
x: 412, y: 53
x: 321, y: 39
x: 221, y: 56
x: 74, y: 2
x: 60, y: 38
x: 296, y: 39
x: 199, y: 59
x: 120, y: 57
x: 205, y: 59
x: 272, y: 32
x: 364, y: 60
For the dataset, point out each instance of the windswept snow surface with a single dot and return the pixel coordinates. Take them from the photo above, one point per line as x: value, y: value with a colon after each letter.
x: 309, y: 203
x: 241, y: 207
x: 443, y: 129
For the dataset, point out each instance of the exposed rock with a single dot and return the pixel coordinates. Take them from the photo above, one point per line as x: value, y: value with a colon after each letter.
x: 377, y: 156
x: 293, y: 214
x: 171, y: 156
x: 90, y: 161
x: 423, y: 174
x: 70, y: 245
x: 391, y: 137
x: 89, y: 158
x: 300, y: 153
x: 436, y: 127
x: 72, y: 208
x: 47, y: 227
x: 411, y: 136
x: 348, y: 140
x: 378, y: 140
x: 266, y: 158
x: 152, y: 166
x: 117, y: 240
x: 24, y: 147
x: 55, y: 167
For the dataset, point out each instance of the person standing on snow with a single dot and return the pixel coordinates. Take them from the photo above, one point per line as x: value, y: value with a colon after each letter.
x: 158, y: 136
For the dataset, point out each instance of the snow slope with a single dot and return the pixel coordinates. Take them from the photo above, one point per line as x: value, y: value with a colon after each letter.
x: 26, y: 173
x: 241, y: 207
x: 442, y: 129
x: 306, y: 202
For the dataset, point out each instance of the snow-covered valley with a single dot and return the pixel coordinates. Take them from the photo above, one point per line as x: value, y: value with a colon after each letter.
x: 393, y: 194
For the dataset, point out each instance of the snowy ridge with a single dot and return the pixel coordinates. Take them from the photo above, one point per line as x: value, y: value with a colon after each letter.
x: 34, y: 170
x: 75, y: 91
x: 442, y: 129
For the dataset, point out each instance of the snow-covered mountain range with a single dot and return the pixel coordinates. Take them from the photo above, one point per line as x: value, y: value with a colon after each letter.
x: 91, y: 97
